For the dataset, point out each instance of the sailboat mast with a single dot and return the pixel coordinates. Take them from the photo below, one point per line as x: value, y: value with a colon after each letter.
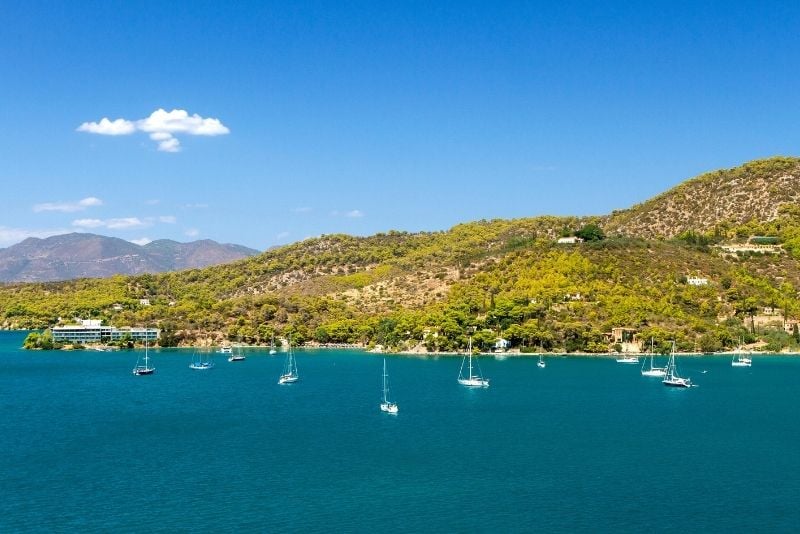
x: 672, y: 362
x: 470, y: 356
x: 385, y: 399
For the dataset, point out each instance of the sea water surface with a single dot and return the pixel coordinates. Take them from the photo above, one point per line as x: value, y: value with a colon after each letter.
x: 584, y: 445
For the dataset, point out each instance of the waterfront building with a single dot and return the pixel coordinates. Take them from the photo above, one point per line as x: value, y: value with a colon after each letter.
x: 92, y: 331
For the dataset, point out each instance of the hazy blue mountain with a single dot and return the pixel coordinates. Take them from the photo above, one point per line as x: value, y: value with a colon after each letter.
x: 76, y: 255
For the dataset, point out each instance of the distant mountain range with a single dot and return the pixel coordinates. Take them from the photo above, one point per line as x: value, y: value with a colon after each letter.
x: 69, y: 256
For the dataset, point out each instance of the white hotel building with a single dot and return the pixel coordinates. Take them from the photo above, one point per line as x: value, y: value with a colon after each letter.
x: 91, y: 331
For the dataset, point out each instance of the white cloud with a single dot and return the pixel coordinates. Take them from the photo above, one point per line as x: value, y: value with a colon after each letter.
x: 179, y: 121
x: 153, y: 202
x: 9, y: 236
x: 160, y: 136
x: 125, y: 222
x: 108, y: 127
x: 122, y: 223
x: 68, y: 207
x: 353, y: 214
x: 196, y: 206
x: 162, y: 126
x: 192, y: 232
x: 142, y: 241
x: 169, y: 145
x: 88, y: 223
x: 282, y: 235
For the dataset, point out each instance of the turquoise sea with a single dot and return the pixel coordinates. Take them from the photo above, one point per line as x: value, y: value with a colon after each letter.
x: 585, y: 445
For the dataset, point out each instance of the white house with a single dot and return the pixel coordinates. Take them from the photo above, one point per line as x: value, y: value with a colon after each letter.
x: 144, y: 302
x: 789, y: 325
x: 501, y: 344
x: 569, y: 240
x: 696, y: 281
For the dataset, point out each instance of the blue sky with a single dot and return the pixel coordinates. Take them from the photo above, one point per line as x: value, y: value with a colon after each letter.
x: 299, y: 119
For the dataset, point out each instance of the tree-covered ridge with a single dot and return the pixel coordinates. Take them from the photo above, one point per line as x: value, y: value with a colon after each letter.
x: 755, y: 191
x: 538, y: 296
x: 630, y: 283
x: 273, y: 280
x: 499, y: 278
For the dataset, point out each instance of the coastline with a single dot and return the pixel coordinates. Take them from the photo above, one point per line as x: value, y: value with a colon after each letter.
x: 605, y: 355
x: 513, y: 353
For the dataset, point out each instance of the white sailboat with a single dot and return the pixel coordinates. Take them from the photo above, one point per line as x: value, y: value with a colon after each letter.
x: 740, y: 360
x: 541, y: 363
x: 387, y: 406
x: 671, y: 377
x: 200, y: 363
x: 236, y: 355
x: 289, y: 375
x: 659, y: 372
x: 272, y: 345
x: 473, y: 378
x: 143, y: 368
x: 628, y: 359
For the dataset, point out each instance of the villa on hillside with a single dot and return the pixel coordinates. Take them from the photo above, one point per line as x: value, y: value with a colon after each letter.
x: 501, y: 345
x: 92, y: 331
x: 751, y: 248
x: 790, y: 324
x: 429, y: 331
x: 696, y: 281
x: 627, y: 338
x: 571, y: 240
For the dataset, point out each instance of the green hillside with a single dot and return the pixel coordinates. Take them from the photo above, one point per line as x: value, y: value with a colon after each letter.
x: 504, y: 278
x: 755, y: 192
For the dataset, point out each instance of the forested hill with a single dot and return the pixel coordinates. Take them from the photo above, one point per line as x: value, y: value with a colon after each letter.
x: 758, y: 191
x: 506, y: 278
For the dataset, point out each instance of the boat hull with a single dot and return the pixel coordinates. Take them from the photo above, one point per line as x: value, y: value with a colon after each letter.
x: 658, y: 373
x: 142, y: 372
x: 201, y: 366
x: 236, y: 359
x: 389, y: 407
x: 474, y: 382
x: 288, y: 379
x: 627, y: 360
x: 677, y: 383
